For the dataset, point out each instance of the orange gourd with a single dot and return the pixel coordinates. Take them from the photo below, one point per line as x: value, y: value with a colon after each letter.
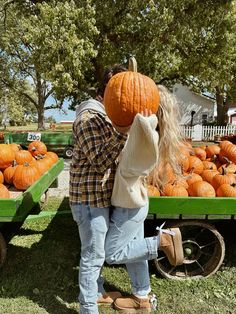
x: 128, y: 93
x: 23, y: 156
x: 9, y: 173
x: 152, y: 190
x: 37, y: 148
x: 1, y: 177
x: 226, y: 190
x: 7, y: 156
x: 201, y: 189
x: 25, y: 175
x: 4, y: 192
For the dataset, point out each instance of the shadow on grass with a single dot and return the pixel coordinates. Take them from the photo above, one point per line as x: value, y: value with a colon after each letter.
x: 45, y: 271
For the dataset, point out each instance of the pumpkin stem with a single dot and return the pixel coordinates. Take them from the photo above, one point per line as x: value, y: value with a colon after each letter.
x: 133, y: 65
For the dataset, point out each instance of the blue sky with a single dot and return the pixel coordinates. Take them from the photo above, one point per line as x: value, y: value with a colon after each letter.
x: 59, y: 115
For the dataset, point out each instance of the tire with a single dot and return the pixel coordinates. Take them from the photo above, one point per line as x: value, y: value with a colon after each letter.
x: 68, y: 152
x: 204, y: 251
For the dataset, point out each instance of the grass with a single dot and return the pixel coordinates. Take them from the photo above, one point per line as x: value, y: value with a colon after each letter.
x: 33, y: 128
x: 40, y: 273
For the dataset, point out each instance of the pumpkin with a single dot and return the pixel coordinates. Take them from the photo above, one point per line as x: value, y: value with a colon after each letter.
x: 42, y: 166
x: 200, y: 153
x: 230, y: 152
x: 201, y: 189
x: 128, y: 93
x: 25, y: 175
x: 152, y: 190
x: 9, y: 173
x: 23, y: 156
x: 226, y: 190
x: 1, y: 177
x: 222, y: 178
x: 208, y: 175
x: 195, y: 164
x: 194, y: 177
x: 212, y: 150
x: 174, y: 189
x: 4, y: 192
x: 209, y: 165
x: 7, y: 156
x: 15, y: 147
x: 37, y: 148
x: 53, y: 156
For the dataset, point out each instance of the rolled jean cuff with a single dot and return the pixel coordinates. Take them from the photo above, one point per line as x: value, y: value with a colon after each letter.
x: 152, y: 245
x: 142, y: 293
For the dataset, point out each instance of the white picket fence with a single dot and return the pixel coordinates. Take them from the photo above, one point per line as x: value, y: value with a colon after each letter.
x: 207, y: 133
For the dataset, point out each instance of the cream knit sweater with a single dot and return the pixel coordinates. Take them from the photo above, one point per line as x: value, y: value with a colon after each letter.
x: 138, y: 159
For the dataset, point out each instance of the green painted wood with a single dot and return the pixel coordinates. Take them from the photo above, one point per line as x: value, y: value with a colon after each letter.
x: 17, y: 209
x: 192, y: 206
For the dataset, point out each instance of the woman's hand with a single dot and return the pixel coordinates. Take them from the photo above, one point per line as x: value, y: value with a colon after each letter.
x: 146, y: 112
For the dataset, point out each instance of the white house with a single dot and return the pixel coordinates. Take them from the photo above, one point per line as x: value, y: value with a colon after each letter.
x: 194, y: 108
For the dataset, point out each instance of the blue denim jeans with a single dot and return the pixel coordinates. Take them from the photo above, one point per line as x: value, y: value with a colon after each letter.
x: 116, y: 235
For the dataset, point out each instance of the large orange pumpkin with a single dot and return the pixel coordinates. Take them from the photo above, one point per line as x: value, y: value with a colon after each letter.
x: 25, y: 175
x: 7, y: 156
x: 128, y: 93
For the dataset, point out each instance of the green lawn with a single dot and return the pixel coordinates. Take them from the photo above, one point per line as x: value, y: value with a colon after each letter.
x: 40, y: 273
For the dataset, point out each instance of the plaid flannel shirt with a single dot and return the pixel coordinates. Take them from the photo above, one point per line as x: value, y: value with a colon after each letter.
x: 94, y: 162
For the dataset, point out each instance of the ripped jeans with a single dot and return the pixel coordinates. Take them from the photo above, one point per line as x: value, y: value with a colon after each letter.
x: 117, y: 236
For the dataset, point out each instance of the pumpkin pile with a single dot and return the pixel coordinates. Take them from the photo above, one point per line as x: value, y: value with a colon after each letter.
x: 207, y: 171
x: 21, y: 168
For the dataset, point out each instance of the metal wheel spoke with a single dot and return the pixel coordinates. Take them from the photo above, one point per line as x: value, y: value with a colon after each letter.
x: 199, y: 233
x: 211, y: 243
x: 172, y: 268
x: 206, y: 253
x: 161, y: 258
x: 185, y: 270
x: 200, y: 265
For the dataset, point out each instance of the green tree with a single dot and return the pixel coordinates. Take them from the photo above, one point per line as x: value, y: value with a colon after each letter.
x: 48, y: 44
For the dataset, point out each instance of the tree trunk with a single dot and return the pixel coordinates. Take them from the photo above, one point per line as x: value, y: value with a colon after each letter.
x: 40, y: 110
x: 222, y: 107
x: 41, y: 102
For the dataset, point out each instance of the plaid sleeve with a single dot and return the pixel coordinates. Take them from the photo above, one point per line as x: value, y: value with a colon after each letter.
x: 98, y: 140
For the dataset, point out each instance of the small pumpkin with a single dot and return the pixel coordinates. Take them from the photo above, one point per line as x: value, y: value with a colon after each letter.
x: 174, y: 189
x: 128, y: 93
x: 226, y: 190
x: 201, y: 189
x: 152, y: 190
x: 1, y: 177
x: 23, y: 156
x: 4, y: 192
x: 9, y: 173
x: 37, y: 148
x: 195, y: 164
x: 223, y: 178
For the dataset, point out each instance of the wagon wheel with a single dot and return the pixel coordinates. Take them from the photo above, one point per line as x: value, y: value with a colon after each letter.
x: 3, y: 250
x: 204, y: 251
x: 68, y: 152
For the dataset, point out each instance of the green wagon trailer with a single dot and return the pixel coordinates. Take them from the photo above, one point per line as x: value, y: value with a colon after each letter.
x: 203, y: 244
x: 59, y: 142
x: 14, y: 211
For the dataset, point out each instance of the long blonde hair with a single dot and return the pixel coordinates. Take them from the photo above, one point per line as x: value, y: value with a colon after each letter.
x: 170, y: 138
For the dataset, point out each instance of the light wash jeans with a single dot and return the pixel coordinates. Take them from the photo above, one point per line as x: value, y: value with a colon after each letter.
x: 116, y: 235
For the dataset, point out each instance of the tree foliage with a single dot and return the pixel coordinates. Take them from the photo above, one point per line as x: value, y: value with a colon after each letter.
x: 62, y: 47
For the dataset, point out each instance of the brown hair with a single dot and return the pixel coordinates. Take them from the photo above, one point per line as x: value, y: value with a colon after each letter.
x: 108, y: 73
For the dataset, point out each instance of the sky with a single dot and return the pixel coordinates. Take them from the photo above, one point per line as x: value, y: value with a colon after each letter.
x: 59, y: 115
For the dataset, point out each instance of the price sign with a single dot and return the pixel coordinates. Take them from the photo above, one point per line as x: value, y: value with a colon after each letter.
x: 34, y: 136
